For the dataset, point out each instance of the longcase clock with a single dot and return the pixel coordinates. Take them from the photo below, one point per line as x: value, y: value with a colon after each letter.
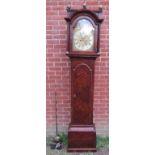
x: 83, y: 49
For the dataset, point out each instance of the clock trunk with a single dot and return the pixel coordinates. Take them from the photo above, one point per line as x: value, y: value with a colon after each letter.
x: 82, y: 71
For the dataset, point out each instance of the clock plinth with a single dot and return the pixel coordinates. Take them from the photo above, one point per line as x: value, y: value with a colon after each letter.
x: 83, y: 49
x: 81, y: 138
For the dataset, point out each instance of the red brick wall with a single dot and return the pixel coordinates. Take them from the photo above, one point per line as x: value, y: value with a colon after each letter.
x: 58, y: 67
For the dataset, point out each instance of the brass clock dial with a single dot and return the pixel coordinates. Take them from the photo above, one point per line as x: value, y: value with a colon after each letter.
x: 83, y: 36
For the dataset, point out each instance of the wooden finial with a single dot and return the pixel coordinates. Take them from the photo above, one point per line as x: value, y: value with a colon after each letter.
x: 68, y: 6
x: 84, y: 4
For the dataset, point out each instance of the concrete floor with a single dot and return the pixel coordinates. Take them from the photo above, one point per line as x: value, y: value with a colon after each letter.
x: 102, y: 151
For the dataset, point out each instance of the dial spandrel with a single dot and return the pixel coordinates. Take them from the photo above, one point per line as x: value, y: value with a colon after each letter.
x: 83, y: 36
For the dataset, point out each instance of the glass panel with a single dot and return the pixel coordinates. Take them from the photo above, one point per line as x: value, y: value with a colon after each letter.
x: 83, y: 36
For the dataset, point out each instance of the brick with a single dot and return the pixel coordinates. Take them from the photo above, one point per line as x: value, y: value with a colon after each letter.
x: 92, y: 3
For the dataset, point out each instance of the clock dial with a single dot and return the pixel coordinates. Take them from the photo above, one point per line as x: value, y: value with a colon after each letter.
x: 83, y: 36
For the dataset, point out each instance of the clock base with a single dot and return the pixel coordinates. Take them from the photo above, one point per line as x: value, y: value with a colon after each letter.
x: 82, y: 138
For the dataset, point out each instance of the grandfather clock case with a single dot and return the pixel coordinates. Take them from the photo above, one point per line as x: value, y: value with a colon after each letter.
x: 82, y: 49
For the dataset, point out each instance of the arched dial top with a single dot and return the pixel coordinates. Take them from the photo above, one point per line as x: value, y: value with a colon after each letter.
x: 83, y: 36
